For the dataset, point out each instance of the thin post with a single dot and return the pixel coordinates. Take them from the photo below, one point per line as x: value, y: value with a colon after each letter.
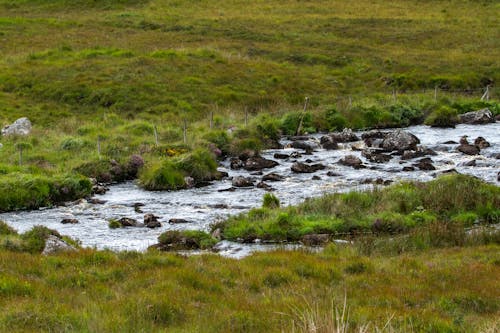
x: 394, y: 93
x: 349, y: 103
x: 156, y: 135
x: 185, y: 131
x: 99, y: 146
x: 435, y: 92
x: 486, y: 95
x: 299, y: 129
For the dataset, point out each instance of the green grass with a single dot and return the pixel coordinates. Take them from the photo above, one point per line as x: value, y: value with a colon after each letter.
x: 392, y: 210
x: 440, y: 290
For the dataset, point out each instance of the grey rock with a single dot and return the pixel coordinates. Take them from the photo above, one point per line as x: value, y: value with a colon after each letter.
x: 281, y: 156
x: 425, y: 164
x: 375, y: 156
x: 481, y: 142
x: 352, y: 161
x: 240, y: 181
x: 21, y: 126
x: 272, y: 177
x: 299, y: 167
x: 468, y: 149
x: 328, y: 143
x: 151, y: 221
x: 400, y: 140
x: 177, y: 221
x: 128, y: 222
x: 259, y: 163
x: 345, y: 136
x: 54, y: 244
x: 483, y: 116
x: 69, y: 221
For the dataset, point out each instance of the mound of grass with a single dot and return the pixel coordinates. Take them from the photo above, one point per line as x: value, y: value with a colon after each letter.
x: 170, y: 173
x: 26, y: 191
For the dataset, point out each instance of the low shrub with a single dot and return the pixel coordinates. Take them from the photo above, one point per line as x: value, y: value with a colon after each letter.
x: 444, y: 116
x: 34, y: 239
x: 162, y: 175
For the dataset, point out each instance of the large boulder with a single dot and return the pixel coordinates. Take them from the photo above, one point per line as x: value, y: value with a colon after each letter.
x: 352, y: 161
x: 22, y: 126
x: 272, y: 177
x: 481, y: 142
x: 374, y: 155
x: 483, y: 116
x: 54, y: 244
x: 308, y: 146
x: 240, y: 181
x: 151, y: 221
x: 468, y: 149
x: 425, y: 164
x: 346, y: 135
x: 128, y: 222
x: 400, y: 140
x: 259, y: 163
x: 328, y: 143
x: 299, y: 167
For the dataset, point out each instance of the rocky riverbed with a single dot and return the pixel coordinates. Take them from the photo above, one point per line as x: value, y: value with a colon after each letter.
x: 309, y: 166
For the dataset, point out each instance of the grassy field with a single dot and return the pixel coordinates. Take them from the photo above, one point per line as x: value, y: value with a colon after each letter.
x: 451, y: 289
x: 124, y: 76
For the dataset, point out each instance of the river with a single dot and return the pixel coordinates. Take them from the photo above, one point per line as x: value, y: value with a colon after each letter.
x: 203, y: 206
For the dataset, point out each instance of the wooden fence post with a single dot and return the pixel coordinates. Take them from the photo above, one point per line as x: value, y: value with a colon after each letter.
x: 185, y: 131
x: 156, y: 135
x: 99, y: 146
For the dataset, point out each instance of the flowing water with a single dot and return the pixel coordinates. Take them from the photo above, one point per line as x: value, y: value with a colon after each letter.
x: 203, y: 206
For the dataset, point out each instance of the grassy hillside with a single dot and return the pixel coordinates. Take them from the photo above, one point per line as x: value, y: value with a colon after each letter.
x: 170, y: 56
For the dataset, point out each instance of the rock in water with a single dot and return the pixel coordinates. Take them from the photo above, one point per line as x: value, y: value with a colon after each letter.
x: 483, y: 116
x: 481, y: 142
x: 272, y: 177
x: 128, y: 222
x: 69, y: 221
x: 345, y: 136
x: 151, y: 221
x: 306, y: 168
x: 259, y: 163
x: 468, y: 149
x: 54, y: 244
x: 22, y: 126
x: 400, y: 140
x: 240, y: 181
x: 352, y: 161
x: 425, y: 164
x: 328, y: 143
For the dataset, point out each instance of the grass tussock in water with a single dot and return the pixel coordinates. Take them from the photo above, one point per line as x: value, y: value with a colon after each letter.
x: 459, y: 199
